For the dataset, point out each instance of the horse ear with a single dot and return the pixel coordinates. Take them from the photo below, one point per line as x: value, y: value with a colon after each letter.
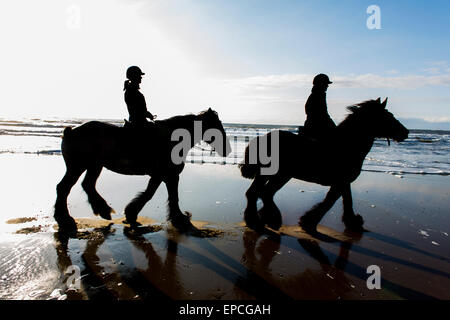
x: 384, y: 103
x: 209, y: 109
x: 379, y: 100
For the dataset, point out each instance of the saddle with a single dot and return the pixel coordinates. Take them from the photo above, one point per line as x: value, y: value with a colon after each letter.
x: 147, y: 125
x: 324, y: 140
x: 136, y: 132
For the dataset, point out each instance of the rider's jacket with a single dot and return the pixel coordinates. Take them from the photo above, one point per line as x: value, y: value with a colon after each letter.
x: 136, y: 105
x: 318, y: 122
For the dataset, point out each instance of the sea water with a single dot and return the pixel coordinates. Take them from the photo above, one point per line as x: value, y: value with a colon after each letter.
x: 424, y: 152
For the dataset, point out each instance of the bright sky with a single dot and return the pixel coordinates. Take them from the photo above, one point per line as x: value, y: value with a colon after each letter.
x: 251, y: 60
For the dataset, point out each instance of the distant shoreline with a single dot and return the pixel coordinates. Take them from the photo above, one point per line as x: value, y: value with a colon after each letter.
x: 77, y: 121
x: 424, y: 152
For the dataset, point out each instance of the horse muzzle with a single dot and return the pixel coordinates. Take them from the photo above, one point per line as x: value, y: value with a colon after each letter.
x: 402, y: 136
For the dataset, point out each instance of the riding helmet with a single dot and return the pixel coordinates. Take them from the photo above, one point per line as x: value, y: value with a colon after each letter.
x: 321, y: 79
x: 133, y: 72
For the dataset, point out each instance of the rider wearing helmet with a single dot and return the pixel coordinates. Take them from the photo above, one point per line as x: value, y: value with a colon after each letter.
x: 318, y: 122
x: 134, y: 99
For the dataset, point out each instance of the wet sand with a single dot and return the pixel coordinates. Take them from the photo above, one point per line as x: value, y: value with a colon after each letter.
x: 406, y: 218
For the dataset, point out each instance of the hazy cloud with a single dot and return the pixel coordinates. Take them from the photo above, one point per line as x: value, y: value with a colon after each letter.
x: 261, y: 83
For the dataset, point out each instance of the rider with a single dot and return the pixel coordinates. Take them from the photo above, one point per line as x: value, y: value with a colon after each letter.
x: 134, y: 99
x: 318, y: 122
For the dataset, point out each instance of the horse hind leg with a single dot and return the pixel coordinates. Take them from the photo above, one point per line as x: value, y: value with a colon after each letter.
x: 311, y: 218
x: 135, y: 206
x: 251, y: 217
x: 351, y: 220
x: 270, y: 214
x: 61, y: 213
x: 98, y: 204
x: 179, y: 220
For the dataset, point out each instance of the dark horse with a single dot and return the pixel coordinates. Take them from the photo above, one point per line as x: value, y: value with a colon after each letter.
x: 335, y: 163
x: 134, y: 151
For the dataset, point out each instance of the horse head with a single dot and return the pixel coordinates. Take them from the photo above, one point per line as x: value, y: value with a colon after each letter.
x: 375, y: 118
x: 214, y: 133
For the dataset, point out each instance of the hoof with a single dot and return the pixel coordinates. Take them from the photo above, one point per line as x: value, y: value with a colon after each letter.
x: 353, y: 222
x: 307, y: 224
x: 133, y: 223
x: 104, y: 212
x: 66, y: 225
x: 255, y: 224
x: 253, y: 221
x: 275, y: 225
x: 105, y: 215
x: 181, y: 221
x: 130, y: 218
x: 271, y: 217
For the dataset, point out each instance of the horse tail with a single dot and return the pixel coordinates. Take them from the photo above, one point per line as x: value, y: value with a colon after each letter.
x: 249, y: 170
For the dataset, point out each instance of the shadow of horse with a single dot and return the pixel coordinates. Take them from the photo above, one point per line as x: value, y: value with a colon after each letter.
x: 336, y: 277
x: 327, y: 282
x: 335, y: 163
x: 153, y: 151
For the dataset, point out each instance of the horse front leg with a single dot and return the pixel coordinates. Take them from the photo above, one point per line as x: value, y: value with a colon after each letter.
x: 178, y: 219
x: 135, y: 206
x: 311, y: 218
x: 251, y: 217
x: 351, y: 220
x: 65, y: 222
x: 98, y: 204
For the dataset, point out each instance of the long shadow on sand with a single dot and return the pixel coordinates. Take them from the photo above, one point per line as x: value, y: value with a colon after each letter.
x: 383, y: 256
x: 356, y: 236
x: 324, y: 257
x: 404, y: 245
x: 251, y: 276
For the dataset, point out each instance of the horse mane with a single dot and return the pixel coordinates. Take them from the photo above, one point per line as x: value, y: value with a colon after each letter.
x: 177, y: 121
x: 356, y: 110
x: 202, y: 113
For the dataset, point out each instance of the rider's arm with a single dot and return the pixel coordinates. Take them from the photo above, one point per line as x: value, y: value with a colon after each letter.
x: 149, y: 115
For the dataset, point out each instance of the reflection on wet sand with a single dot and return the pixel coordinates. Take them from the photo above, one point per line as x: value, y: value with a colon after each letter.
x: 308, y: 284
x: 93, y: 278
x: 162, y: 263
x: 160, y: 278
x: 259, y: 280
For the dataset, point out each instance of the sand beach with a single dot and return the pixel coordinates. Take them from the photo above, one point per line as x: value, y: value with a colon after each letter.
x: 407, y: 236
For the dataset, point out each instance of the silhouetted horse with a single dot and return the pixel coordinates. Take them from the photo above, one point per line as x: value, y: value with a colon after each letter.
x: 133, y: 151
x: 336, y: 163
